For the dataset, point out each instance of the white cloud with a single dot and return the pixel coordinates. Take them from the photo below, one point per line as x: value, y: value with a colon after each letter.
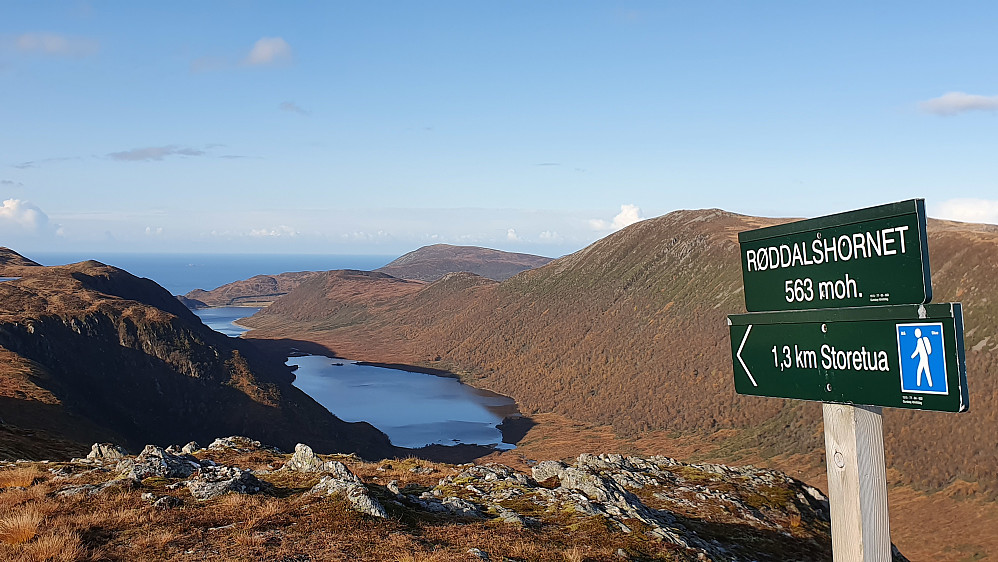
x: 969, y: 210
x: 56, y: 45
x: 628, y: 215
x: 294, y: 108
x: 280, y: 231
x: 952, y: 103
x: 511, y: 235
x: 268, y: 50
x: 150, y: 231
x: 22, y: 216
x: 154, y: 153
x: 549, y: 236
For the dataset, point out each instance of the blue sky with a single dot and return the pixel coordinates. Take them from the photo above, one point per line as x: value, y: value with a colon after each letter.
x: 378, y: 127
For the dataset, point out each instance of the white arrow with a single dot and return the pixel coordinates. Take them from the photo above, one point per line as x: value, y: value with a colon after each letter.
x: 742, y: 361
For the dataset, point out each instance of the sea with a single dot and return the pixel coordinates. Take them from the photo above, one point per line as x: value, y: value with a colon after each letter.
x: 182, y: 273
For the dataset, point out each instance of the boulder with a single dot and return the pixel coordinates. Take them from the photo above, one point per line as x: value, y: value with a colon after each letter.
x: 305, y: 460
x: 155, y: 461
x: 237, y: 442
x: 345, y: 483
x: 106, y: 452
x: 212, y: 481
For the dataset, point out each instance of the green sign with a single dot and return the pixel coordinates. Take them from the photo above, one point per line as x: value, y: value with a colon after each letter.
x: 904, y: 356
x: 868, y: 257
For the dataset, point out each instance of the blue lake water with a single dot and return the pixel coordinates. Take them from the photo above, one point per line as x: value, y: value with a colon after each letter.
x: 222, y: 318
x: 413, y: 409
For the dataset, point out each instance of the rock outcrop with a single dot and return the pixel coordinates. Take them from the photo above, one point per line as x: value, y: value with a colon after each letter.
x: 639, y: 507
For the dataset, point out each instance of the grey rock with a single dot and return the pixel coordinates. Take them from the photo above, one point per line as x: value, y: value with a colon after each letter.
x: 106, y: 452
x: 393, y: 487
x: 168, y: 502
x: 213, y: 481
x: 155, y: 461
x: 511, y: 517
x: 478, y: 553
x: 237, y: 442
x: 345, y: 483
x: 72, y: 491
x: 304, y: 460
x: 123, y: 484
x: 547, y: 469
x: 461, y: 507
x: 190, y: 448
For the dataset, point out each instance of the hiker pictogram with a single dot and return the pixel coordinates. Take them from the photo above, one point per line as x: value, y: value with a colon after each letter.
x: 922, y: 359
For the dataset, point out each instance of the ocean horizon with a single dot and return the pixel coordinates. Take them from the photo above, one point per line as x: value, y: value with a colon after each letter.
x: 182, y: 273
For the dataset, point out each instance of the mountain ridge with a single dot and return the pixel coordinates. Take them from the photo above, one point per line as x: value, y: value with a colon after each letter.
x: 430, y: 263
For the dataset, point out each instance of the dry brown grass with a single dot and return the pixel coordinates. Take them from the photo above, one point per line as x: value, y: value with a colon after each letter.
x: 60, y: 545
x: 20, y: 526
x: 12, y: 497
x: 21, y: 477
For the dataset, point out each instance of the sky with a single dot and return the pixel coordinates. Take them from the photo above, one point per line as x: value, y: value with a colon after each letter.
x: 375, y: 127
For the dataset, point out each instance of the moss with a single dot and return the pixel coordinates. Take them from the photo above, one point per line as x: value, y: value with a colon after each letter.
x: 770, y: 497
x: 694, y: 475
x: 156, y: 482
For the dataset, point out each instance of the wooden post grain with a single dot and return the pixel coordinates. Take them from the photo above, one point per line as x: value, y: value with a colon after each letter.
x: 857, y: 483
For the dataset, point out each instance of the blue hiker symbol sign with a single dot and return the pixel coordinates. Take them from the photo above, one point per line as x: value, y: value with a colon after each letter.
x: 922, y: 358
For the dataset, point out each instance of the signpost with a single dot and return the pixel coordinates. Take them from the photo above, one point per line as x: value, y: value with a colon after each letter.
x: 873, y: 256
x: 865, y: 355
x: 838, y: 314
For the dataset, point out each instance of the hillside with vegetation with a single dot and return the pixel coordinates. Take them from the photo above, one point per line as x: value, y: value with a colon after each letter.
x: 630, y: 333
x: 259, y: 290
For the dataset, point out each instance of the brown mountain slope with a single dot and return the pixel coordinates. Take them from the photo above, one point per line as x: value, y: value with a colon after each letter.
x: 630, y: 332
x: 9, y: 260
x: 260, y: 290
x: 430, y: 263
x: 90, y: 352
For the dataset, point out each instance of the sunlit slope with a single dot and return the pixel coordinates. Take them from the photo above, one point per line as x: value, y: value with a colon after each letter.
x: 631, y: 332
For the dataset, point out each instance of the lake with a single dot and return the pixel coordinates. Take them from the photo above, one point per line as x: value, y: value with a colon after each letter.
x: 413, y: 409
x: 222, y: 318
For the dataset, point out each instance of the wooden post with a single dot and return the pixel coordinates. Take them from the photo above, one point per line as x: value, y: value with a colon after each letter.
x: 857, y: 483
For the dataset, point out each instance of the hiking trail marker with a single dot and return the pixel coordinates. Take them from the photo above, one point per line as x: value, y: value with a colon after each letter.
x: 839, y: 314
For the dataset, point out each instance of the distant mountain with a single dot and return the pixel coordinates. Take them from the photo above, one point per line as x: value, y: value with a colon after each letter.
x: 630, y: 332
x: 430, y: 263
x: 260, y: 290
x: 89, y: 352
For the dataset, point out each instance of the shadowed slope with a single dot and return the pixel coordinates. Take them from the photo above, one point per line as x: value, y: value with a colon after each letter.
x: 93, y: 353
